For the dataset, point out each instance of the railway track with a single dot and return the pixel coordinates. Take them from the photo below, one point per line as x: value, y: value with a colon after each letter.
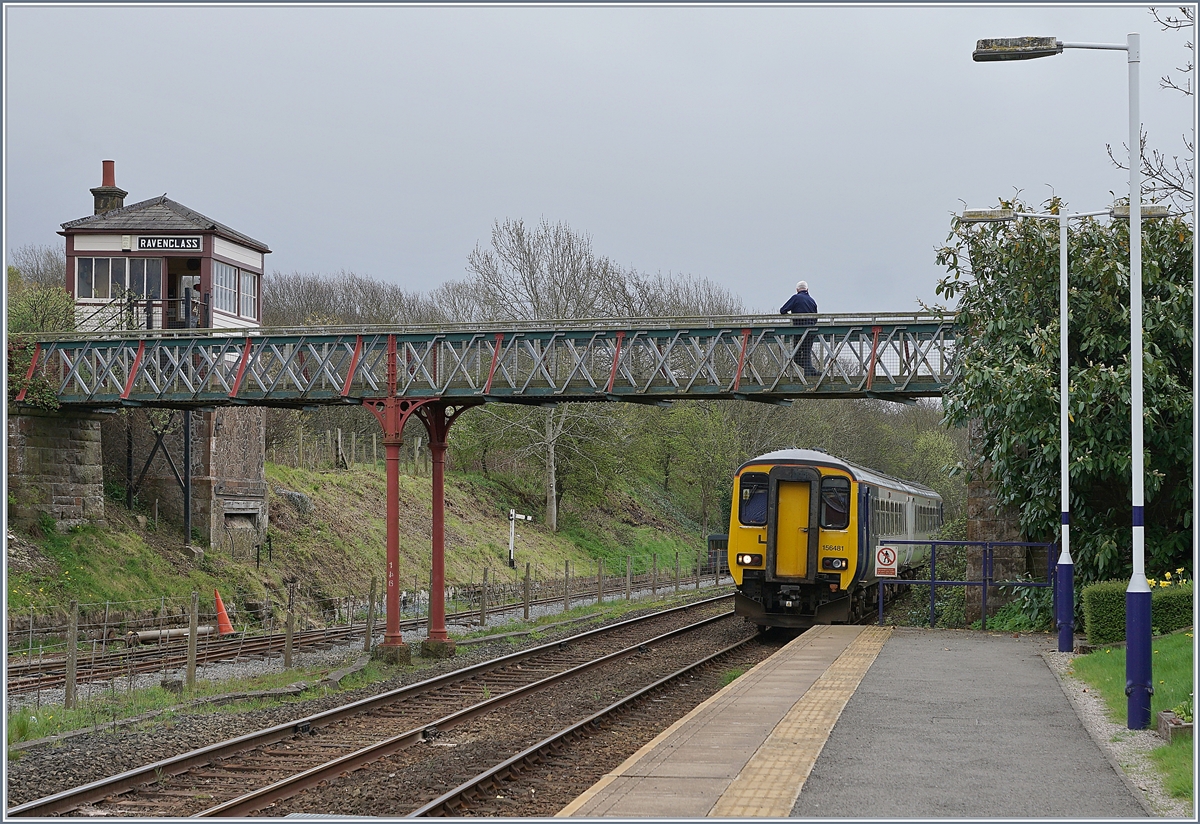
x: 26, y: 675
x: 633, y: 718
x: 254, y: 771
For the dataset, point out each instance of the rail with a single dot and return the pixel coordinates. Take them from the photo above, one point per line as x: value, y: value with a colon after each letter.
x: 401, y: 697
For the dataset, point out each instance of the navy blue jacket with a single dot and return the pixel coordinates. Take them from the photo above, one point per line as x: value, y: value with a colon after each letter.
x: 800, y: 303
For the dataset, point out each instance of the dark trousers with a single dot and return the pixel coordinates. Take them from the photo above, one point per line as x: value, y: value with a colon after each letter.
x: 803, y: 356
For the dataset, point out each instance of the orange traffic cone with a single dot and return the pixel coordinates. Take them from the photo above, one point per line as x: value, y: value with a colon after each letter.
x: 223, y: 625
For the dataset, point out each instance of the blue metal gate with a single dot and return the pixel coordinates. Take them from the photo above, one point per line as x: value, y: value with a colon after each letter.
x: 988, y: 579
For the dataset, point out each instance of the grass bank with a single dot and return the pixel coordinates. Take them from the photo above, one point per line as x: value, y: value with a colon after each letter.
x: 1172, y: 659
x: 328, y: 538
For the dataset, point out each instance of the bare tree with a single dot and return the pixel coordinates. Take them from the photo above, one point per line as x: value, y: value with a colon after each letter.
x: 41, y: 265
x: 545, y: 272
x: 300, y: 299
x: 1166, y: 176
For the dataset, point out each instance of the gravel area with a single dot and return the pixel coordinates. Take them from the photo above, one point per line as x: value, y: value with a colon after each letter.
x: 398, y: 784
x: 106, y: 750
x: 38, y: 771
x: 1128, y: 750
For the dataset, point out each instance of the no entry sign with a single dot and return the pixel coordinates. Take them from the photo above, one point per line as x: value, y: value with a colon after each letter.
x: 885, y: 562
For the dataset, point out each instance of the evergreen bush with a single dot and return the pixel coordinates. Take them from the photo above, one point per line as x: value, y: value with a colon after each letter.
x: 1104, y: 609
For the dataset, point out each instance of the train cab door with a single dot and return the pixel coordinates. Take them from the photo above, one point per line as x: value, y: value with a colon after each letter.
x: 792, y: 526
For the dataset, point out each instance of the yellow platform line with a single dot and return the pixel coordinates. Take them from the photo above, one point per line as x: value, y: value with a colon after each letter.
x: 772, y: 779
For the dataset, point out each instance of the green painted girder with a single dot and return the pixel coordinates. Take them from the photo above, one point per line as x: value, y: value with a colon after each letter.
x: 656, y: 361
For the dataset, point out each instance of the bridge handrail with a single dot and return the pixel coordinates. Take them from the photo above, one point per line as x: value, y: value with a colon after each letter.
x: 771, y: 320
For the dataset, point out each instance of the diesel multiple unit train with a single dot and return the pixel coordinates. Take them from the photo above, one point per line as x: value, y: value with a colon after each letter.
x: 803, y: 531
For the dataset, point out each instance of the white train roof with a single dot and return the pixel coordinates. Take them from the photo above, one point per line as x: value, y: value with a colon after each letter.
x: 858, y: 472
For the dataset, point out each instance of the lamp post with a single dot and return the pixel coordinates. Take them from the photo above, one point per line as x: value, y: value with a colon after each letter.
x: 1064, y: 578
x: 1138, y: 671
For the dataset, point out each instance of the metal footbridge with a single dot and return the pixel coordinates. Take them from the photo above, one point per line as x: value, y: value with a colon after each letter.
x: 896, y: 357
x: 434, y: 373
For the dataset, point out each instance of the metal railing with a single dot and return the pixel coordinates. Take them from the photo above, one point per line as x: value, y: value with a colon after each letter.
x: 647, y: 360
x: 987, y: 579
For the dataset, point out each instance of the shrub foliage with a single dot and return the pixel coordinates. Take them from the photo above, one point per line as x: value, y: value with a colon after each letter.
x: 1005, y: 279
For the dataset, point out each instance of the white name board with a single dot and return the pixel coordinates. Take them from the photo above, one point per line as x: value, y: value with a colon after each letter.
x: 171, y: 243
x: 885, y: 562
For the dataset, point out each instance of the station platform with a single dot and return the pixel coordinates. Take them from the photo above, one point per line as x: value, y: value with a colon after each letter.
x: 875, y: 722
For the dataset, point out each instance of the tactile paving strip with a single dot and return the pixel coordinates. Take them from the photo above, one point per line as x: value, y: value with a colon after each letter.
x: 771, y: 781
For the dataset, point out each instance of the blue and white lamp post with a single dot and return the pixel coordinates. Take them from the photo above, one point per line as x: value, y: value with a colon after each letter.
x: 1138, y: 671
x: 1064, y: 579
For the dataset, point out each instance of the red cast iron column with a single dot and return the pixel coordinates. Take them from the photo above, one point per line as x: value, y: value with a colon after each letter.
x: 392, y: 413
x: 391, y: 445
x: 438, y: 418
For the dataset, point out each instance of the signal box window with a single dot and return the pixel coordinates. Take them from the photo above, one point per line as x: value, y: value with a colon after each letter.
x: 835, y: 503
x: 752, y: 499
x: 106, y: 278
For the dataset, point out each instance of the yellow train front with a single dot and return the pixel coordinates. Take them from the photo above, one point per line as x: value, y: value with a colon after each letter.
x: 803, y: 531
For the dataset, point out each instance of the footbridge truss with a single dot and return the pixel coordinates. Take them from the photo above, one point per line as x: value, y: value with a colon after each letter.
x: 895, y: 357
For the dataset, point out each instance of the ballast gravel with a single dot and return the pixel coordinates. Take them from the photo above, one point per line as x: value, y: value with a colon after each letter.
x: 108, y: 749
x: 39, y: 771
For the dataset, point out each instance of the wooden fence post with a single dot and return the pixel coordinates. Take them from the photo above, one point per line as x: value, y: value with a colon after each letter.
x: 628, y: 577
x: 527, y: 591
x: 599, y: 582
x: 676, y: 572
x: 370, y: 617
x: 654, y: 576
x: 289, y: 629
x: 72, y: 656
x: 566, y: 586
x: 483, y: 599
x: 193, y: 631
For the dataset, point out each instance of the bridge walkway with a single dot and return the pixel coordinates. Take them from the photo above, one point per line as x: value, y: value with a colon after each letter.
x: 644, y: 360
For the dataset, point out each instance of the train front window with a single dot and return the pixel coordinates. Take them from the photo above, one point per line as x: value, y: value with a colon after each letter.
x: 752, y: 499
x: 835, y: 503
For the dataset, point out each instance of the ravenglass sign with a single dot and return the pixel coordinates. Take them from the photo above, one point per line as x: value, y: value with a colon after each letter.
x: 169, y: 243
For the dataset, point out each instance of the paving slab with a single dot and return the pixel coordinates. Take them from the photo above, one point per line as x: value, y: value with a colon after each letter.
x: 959, y: 723
x: 686, y: 770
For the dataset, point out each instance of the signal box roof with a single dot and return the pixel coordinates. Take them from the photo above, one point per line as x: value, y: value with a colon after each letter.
x: 159, y: 214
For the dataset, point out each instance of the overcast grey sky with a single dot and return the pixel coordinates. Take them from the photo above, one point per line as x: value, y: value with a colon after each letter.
x: 748, y: 145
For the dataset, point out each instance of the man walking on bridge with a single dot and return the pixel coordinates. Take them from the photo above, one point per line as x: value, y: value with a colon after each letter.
x: 802, y: 304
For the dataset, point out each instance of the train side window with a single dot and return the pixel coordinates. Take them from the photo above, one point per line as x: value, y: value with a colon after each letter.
x: 835, y: 503
x: 752, y: 499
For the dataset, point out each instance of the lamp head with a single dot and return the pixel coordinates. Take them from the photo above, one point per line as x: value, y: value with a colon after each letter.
x: 986, y: 216
x: 1015, y: 48
x: 1149, y: 211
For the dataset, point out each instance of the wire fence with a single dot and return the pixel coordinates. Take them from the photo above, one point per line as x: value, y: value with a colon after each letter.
x: 89, y: 634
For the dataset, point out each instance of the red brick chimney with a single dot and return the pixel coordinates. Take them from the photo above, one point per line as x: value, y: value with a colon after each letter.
x: 107, y: 195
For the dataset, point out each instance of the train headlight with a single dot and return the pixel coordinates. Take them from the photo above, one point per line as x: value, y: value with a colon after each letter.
x: 746, y: 559
x: 835, y: 563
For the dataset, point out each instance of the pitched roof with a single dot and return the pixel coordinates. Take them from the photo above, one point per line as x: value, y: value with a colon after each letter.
x: 160, y: 214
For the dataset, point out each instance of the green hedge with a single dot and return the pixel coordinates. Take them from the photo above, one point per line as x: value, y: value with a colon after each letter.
x: 1104, y: 610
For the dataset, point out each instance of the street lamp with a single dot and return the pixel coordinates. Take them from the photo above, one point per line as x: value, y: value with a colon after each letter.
x: 1064, y: 578
x: 1138, y: 671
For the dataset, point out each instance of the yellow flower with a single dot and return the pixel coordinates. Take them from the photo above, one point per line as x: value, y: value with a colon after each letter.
x: 1108, y: 652
x: 1167, y: 575
x: 1179, y: 571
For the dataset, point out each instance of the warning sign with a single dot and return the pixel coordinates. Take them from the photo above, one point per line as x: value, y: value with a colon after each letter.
x: 885, y: 562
